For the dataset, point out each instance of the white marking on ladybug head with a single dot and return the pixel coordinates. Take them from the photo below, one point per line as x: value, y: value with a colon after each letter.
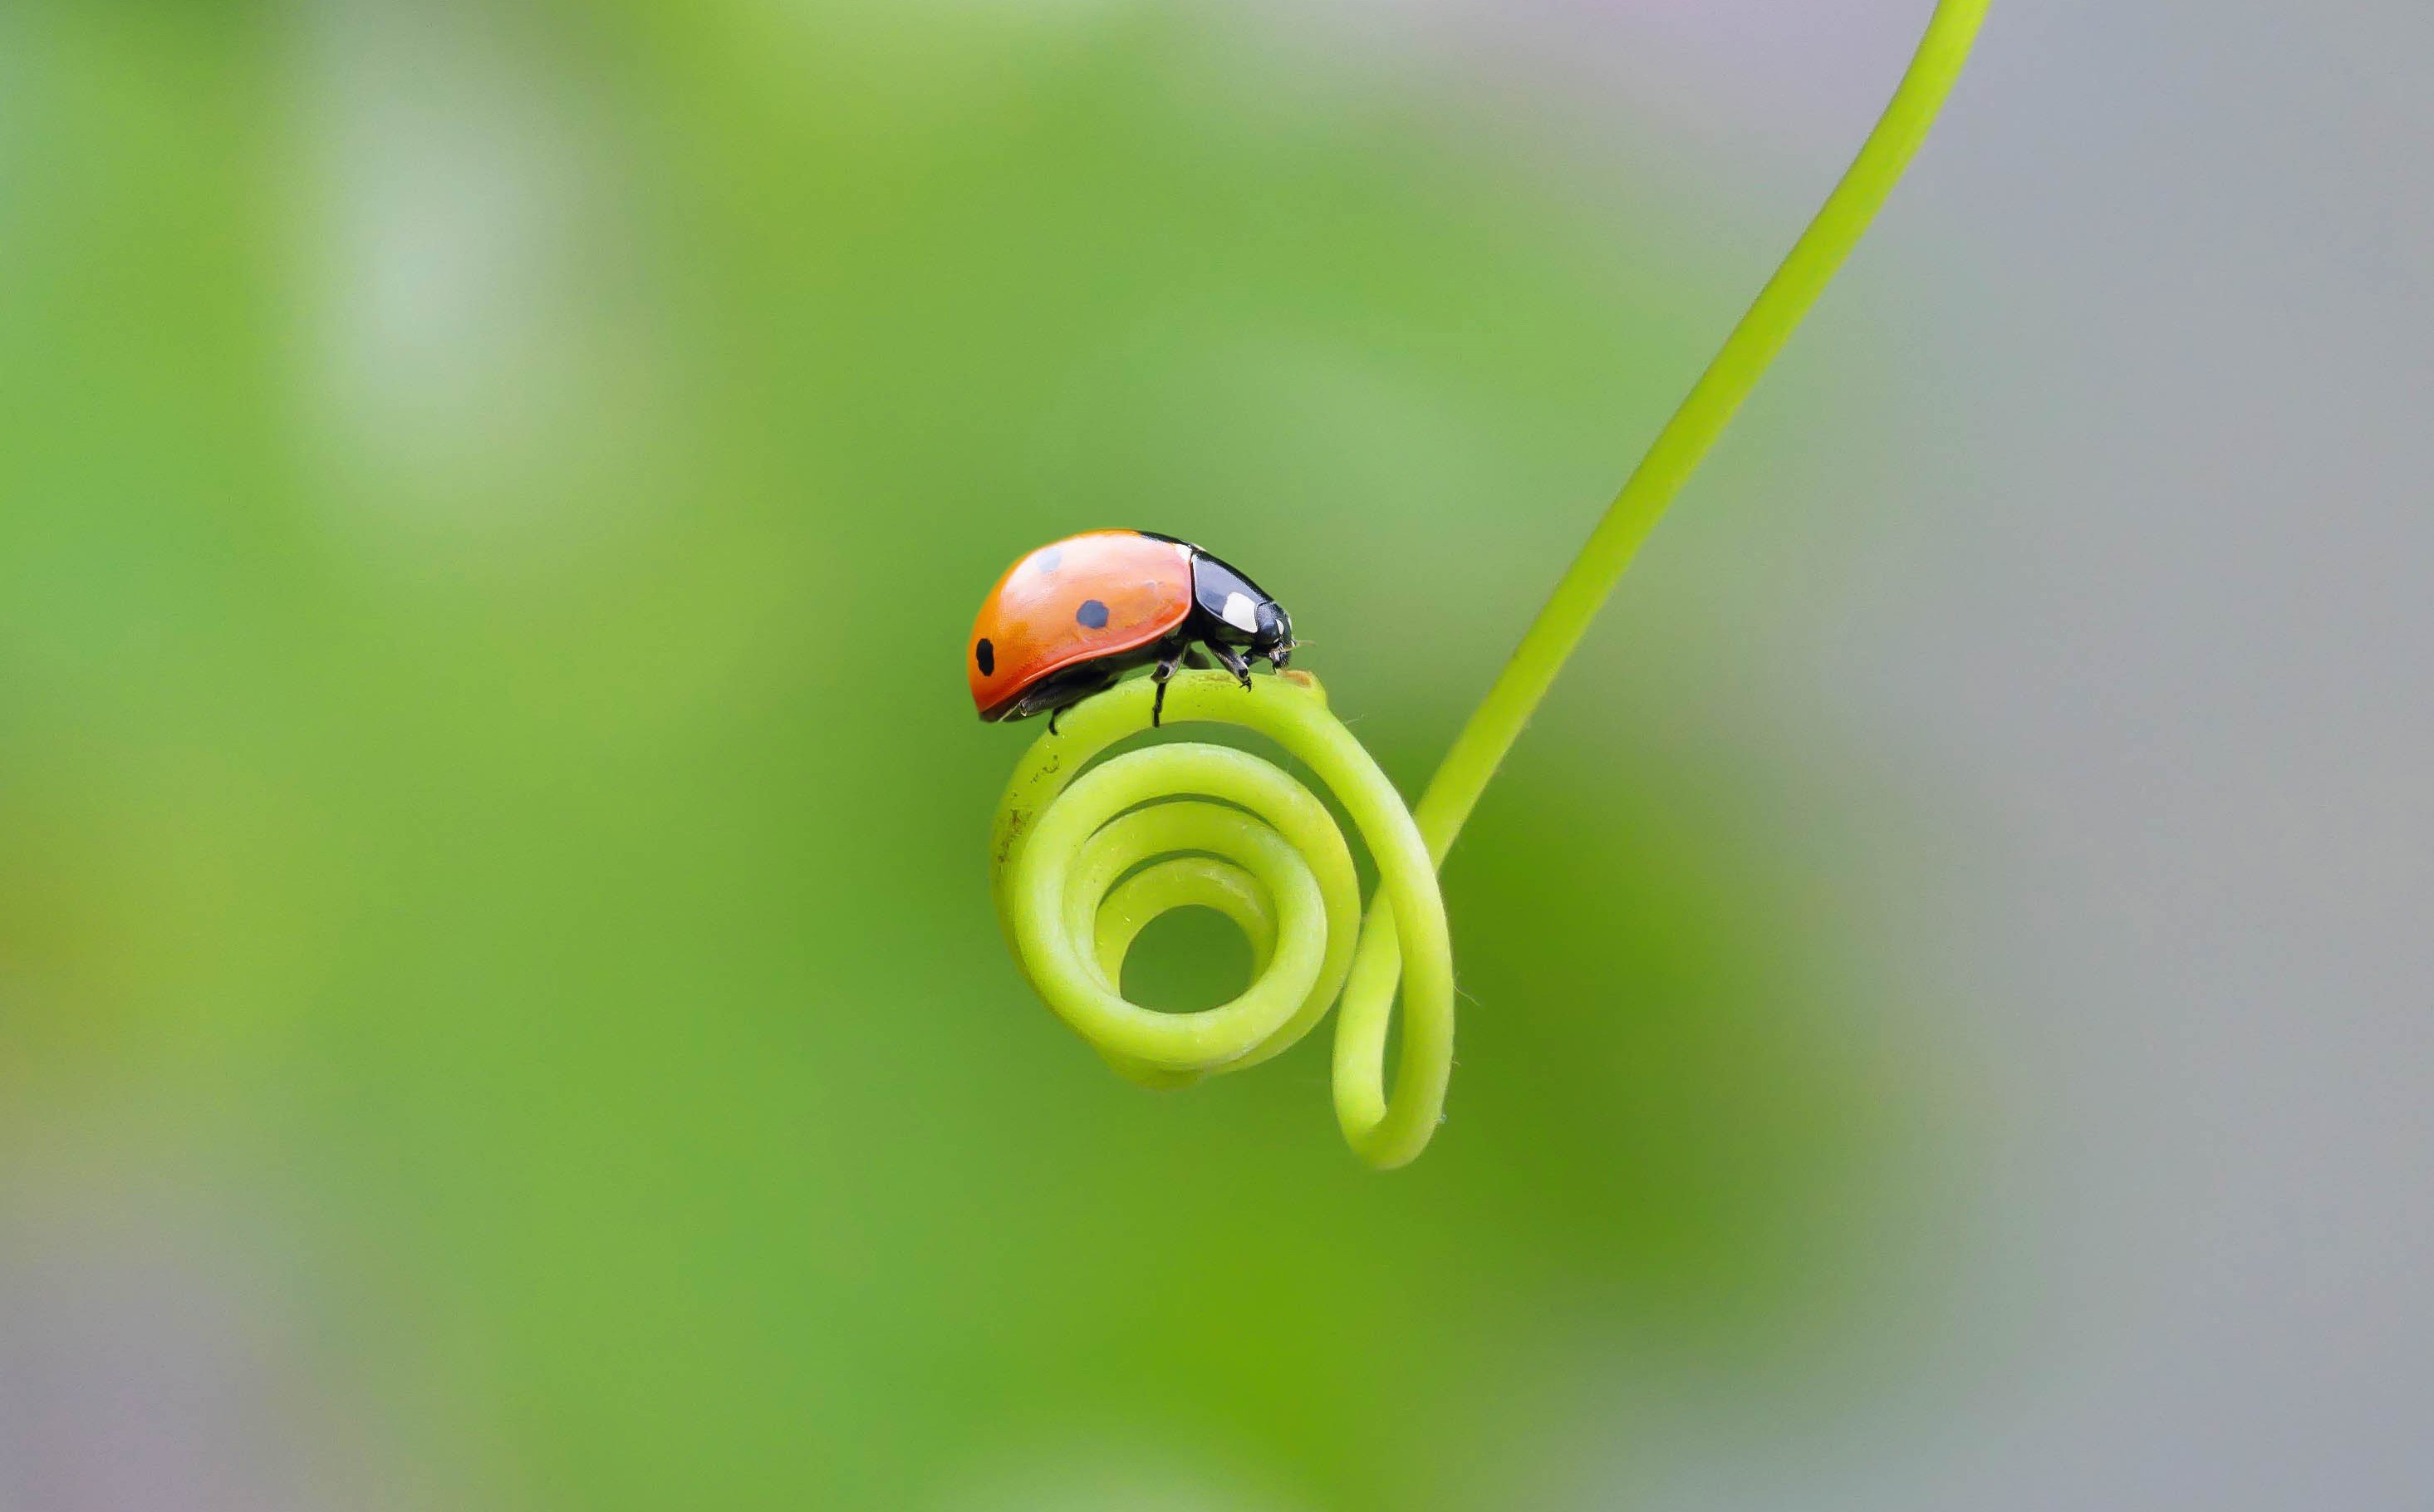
x: 1240, y: 613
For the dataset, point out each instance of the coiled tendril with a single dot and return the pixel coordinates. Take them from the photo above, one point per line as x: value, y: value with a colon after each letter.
x: 1081, y: 860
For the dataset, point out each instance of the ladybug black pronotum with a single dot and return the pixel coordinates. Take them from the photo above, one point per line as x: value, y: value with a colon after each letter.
x: 1070, y: 618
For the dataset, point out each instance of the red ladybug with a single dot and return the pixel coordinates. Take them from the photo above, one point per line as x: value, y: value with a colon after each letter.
x: 1070, y: 618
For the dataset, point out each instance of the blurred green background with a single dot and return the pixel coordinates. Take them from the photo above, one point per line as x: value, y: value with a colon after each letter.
x: 492, y: 902
x: 498, y: 1003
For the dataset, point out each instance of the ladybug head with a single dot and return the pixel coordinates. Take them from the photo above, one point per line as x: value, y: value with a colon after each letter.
x: 1274, y: 640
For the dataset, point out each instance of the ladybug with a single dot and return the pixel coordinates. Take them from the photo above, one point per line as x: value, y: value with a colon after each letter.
x: 1070, y: 618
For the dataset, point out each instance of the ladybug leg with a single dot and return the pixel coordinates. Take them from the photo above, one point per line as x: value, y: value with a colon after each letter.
x: 1234, y: 663
x: 1158, y: 674
x: 1061, y: 691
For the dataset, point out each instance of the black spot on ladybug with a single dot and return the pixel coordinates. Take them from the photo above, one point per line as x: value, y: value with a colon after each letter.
x: 985, y: 655
x: 1093, y: 614
x: 1049, y: 559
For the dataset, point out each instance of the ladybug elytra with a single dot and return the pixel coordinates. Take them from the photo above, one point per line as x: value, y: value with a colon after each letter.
x: 1071, y: 617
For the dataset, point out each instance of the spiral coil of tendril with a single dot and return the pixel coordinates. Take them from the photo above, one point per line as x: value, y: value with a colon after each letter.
x: 1084, y: 857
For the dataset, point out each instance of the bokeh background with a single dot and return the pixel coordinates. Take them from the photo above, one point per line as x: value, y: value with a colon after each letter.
x: 499, y: 1005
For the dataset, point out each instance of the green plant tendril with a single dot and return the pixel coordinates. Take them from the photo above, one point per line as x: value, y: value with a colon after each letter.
x: 1083, y: 857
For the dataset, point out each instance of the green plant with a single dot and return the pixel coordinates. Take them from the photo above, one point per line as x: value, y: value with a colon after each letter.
x: 1081, y: 860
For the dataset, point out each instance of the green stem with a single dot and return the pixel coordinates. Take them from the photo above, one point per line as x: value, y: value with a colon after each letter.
x: 1083, y: 857
x: 1703, y: 415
